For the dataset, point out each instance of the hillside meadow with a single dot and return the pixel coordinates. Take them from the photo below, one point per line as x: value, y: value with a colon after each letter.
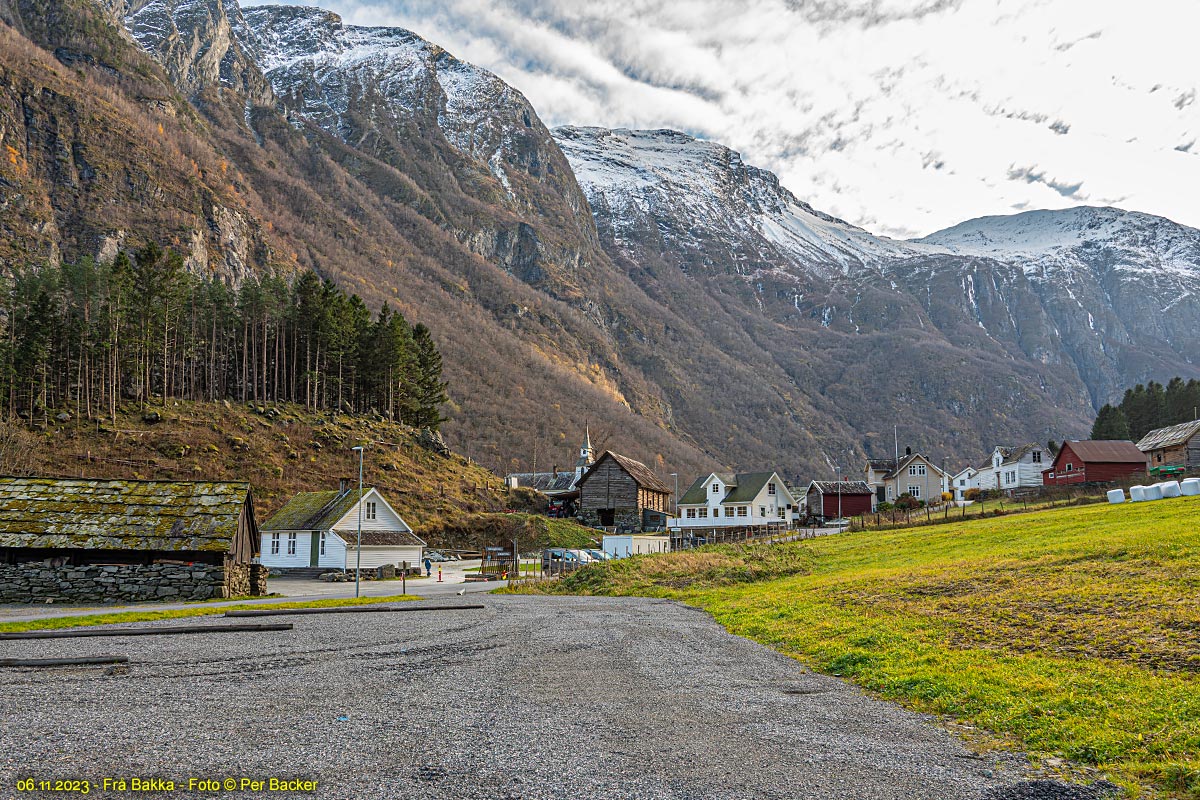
x: 1072, y: 634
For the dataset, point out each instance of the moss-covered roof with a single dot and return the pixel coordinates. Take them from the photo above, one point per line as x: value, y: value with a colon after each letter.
x: 314, y: 511
x: 120, y: 515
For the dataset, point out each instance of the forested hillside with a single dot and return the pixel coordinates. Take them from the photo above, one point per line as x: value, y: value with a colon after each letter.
x: 88, y: 335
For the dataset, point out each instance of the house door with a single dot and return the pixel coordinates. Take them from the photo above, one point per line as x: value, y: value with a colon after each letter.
x: 608, y: 517
x: 881, y: 495
x: 314, y: 557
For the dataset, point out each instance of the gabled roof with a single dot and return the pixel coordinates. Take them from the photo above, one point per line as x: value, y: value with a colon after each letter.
x: 121, y: 515
x: 882, y: 464
x: 636, y: 469
x: 1011, y: 455
x: 1169, y: 437
x: 314, y: 511
x: 1105, y: 451
x: 904, y: 462
x: 841, y: 487
x: 697, y: 493
x: 749, y: 484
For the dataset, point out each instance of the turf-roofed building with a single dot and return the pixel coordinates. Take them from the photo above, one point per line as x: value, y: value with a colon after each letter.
x: 70, y: 539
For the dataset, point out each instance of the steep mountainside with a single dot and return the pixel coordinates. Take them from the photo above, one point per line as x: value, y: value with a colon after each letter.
x: 965, y: 336
x: 681, y: 301
x: 1123, y: 288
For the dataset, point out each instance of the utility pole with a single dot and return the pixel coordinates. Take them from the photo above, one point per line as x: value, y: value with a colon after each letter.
x: 358, y: 544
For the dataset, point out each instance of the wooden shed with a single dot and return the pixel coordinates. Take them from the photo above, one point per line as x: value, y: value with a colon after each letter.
x: 1173, y: 449
x: 146, y: 539
x: 831, y: 499
x: 618, y: 491
x: 1095, y: 461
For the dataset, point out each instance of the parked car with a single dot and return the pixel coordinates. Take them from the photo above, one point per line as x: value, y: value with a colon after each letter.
x: 598, y: 555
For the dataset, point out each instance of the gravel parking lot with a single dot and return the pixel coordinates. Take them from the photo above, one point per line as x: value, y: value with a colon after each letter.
x: 531, y: 697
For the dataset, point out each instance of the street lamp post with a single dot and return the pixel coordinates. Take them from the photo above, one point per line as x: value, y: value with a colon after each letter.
x: 675, y: 475
x: 358, y: 545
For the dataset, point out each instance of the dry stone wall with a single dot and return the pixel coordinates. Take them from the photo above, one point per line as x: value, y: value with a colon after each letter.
x: 37, y: 582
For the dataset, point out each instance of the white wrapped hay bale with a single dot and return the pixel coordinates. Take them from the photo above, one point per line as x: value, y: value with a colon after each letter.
x: 1116, y: 496
x: 1190, y: 487
x: 1170, y: 488
x: 1153, y: 492
x: 1137, y: 493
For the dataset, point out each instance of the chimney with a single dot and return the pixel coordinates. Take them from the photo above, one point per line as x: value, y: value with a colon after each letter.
x: 908, y: 451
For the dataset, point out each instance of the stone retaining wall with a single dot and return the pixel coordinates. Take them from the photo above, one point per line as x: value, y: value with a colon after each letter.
x: 36, y: 582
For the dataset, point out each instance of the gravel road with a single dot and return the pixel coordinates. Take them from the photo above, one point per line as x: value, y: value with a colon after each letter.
x: 531, y: 697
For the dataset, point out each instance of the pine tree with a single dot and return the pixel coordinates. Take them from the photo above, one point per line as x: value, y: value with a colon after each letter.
x: 1110, y: 424
x: 430, y: 389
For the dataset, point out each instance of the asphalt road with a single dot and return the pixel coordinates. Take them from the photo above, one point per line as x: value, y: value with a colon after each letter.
x: 531, y: 697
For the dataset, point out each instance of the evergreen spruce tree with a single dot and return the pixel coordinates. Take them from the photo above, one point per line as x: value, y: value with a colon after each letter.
x: 430, y: 388
x: 1110, y: 424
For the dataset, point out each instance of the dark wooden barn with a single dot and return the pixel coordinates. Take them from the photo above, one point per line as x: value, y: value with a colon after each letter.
x: 1095, y: 461
x: 620, y: 492
x: 831, y: 499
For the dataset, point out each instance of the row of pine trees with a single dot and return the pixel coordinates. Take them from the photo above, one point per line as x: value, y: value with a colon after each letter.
x: 90, y: 335
x: 1148, y: 407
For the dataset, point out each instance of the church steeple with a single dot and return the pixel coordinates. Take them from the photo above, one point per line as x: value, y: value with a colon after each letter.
x: 586, y: 455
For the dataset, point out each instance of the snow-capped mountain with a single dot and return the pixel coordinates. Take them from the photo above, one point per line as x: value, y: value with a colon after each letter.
x: 596, y: 272
x: 705, y: 186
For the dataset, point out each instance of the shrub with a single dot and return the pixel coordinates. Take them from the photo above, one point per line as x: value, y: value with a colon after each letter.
x: 971, y: 494
x: 947, y: 497
x: 906, y: 502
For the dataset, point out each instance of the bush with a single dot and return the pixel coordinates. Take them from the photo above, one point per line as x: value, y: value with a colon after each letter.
x: 906, y: 502
x: 882, y: 507
x: 971, y: 494
x: 947, y: 497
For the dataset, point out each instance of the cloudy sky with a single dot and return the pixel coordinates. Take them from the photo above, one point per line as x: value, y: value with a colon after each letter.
x: 904, y: 116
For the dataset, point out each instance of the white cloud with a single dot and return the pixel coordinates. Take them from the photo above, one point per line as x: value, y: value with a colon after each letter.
x: 904, y: 116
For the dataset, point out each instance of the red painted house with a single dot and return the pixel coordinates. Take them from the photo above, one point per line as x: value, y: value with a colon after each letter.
x: 828, y: 499
x: 1095, y: 461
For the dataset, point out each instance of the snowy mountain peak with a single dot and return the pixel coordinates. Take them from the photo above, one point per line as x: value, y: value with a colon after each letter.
x: 1135, y: 241
x: 635, y: 174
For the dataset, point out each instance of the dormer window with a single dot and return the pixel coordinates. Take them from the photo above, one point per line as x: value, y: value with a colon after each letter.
x: 716, y: 488
x: 1037, y: 456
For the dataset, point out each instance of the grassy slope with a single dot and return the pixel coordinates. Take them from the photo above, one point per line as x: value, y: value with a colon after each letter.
x: 1072, y: 633
x: 298, y: 450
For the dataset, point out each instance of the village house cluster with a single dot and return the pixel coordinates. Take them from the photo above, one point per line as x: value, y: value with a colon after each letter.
x: 640, y: 513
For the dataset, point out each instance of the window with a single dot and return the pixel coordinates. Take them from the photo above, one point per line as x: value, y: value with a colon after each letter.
x: 741, y: 511
x: 1069, y: 467
x: 274, y: 544
x: 704, y: 513
x: 1158, y: 457
x: 1012, y: 476
x: 369, y: 510
x: 782, y: 513
x: 916, y: 469
x: 291, y: 544
x: 716, y: 512
x: 1037, y: 456
x: 762, y: 511
x: 691, y: 513
x: 914, y: 491
x: 770, y: 488
x: 962, y: 481
x: 716, y: 488
x: 322, y: 543
x: 889, y: 493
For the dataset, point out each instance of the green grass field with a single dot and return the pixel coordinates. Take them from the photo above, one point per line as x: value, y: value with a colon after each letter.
x: 1072, y: 633
x: 196, y: 610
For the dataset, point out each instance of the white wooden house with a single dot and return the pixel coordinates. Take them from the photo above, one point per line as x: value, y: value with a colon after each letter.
x: 320, y: 530
x: 964, y: 481
x: 724, y: 500
x: 1011, y: 468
